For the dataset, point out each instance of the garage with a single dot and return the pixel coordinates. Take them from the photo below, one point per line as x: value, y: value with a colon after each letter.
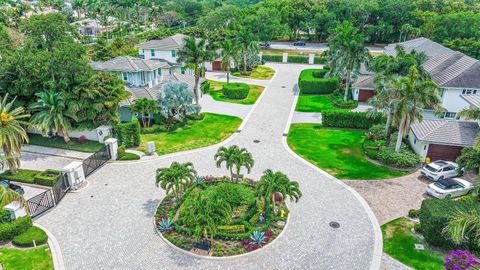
x: 217, y: 65
x: 365, y: 95
x: 443, y: 152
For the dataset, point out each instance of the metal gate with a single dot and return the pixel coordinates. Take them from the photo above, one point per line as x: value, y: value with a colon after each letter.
x: 40, y: 203
x: 60, y: 188
x: 96, y: 160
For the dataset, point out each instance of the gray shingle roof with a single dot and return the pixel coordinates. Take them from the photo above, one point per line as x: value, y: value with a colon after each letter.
x: 364, y: 82
x: 474, y: 100
x: 421, y: 44
x: 128, y: 64
x: 458, y: 133
x: 169, y: 43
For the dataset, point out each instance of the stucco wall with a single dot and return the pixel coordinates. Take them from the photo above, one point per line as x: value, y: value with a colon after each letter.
x: 421, y: 148
x: 452, y: 101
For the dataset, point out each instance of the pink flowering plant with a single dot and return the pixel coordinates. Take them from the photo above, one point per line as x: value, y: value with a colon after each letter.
x: 461, y: 260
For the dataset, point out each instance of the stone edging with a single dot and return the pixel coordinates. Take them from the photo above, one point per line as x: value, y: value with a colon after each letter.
x: 224, y: 257
x: 378, y: 241
x: 55, y: 250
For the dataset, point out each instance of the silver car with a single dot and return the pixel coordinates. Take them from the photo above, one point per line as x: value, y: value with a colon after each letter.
x: 440, y: 170
x: 449, y: 188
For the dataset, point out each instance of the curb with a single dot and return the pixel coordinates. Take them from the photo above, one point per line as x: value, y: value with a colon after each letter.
x: 57, y: 256
x: 378, y: 241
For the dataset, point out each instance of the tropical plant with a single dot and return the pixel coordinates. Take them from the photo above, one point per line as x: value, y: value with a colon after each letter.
x: 144, y: 107
x: 176, y: 178
x: 469, y: 159
x: 165, y: 225
x: 175, y: 102
x: 229, y: 55
x: 464, y: 228
x: 194, y: 54
x: 51, y: 113
x: 233, y: 156
x: 258, y: 237
x: 248, y: 43
x: 347, y: 53
x: 198, y: 179
x: 12, y: 132
x: 271, y: 183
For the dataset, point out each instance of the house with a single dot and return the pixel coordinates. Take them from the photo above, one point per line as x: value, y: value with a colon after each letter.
x: 91, y: 27
x: 167, y: 50
x: 458, y: 75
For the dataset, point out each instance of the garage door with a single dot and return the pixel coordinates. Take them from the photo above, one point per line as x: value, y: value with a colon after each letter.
x: 216, y: 65
x: 443, y: 152
x: 365, y: 95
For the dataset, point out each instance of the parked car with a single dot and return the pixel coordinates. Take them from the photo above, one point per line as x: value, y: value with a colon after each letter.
x: 299, y: 43
x: 16, y: 188
x: 449, y: 188
x: 441, y: 169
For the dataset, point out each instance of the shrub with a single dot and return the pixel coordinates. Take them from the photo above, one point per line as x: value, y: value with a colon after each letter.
x: 346, y: 119
x: 158, y: 119
x: 82, y: 139
x: 5, y: 216
x: 9, y: 230
x: 404, y: 159
x: 129, y: 156
x: 121, y: 150
x: 47, y: 177
x: 22, y: 175
x: 413, y: 213
x: 319, y: 73
x: 236, y: 90
x: 240, y: 228
x: 311, y: 85
x: 344, y: 104
x: 205, y: 87
x: 128, y: 134
x: 461, y: 260
x: 417, y: 227
x: 377, y: 132
x: 318, y: 60
x: 195, y: 116
x: 272, y: 58
x: 26, y: 239
x: 297, y: 59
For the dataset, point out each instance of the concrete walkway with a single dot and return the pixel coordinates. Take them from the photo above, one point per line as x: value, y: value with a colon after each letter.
x: 50, y: 151
x: 109, y: 225
x: 212, y: 106
x: 307, y: 117
x: 222, y: 77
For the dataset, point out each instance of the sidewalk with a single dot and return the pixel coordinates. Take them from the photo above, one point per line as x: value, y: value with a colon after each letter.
x: 49, y: 151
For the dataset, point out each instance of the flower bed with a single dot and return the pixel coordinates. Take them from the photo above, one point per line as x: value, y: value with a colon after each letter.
x: 244, y: 220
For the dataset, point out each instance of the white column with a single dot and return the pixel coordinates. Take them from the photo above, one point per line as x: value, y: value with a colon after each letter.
x: 16, y: 210
x: 285, y: 58
x: 311, y: 59
x: 112, y: 145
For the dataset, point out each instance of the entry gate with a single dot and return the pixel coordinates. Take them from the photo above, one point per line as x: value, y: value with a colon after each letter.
x: 40, y: 203
x: 96, y: 160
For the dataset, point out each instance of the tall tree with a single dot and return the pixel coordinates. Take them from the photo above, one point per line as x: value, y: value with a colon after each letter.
x: 248, y: 44
x: 234, y: 156
x: 144, y: 107
x: 176, y: 178
x: 175, y: 102
x: 8, y: 195
x: 273, y: 182
x: 229, y: 55
x: 464, y: 228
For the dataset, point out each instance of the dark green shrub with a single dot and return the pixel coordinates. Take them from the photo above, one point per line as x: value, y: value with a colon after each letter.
x: 377, y: 132
x: 26, y: 239
x: 128, y: 134
x: 413, y: 213
x: 417, y: 227
x: 346, y: 119
x: 22, y: 175
x: 404, y: 159
x: 320, y: 73
x: 121, y: 150
x: 9, y: 230
x: 297, y: 59
x: 344, y: 104
x: 309, y: 84
x: 205, y: 87
x: 159, y: 119
x: 236, y: 90
x: 129, y: 156
x: 48, y: 177
x: 318, y: 60
x: 272, y: 58
x: 195, y: 116
x: 5, y: 216
x: 371, y: 147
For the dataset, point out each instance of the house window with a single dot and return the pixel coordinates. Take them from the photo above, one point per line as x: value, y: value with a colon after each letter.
x: 450, y: 115
x: 424, y: 147
x: 152, y: 52
x: 469, y: 91
x: 415, y: 140
x: 160, y: 72
x: 442, y: 93
x: 125, y: 78
x: 474, y: 92
x: 170, y: 71
x: 174, y: 53
x: 143, y: 51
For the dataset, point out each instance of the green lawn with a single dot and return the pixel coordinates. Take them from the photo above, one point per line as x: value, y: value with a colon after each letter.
x: 26, y: 259
x: 315, y: 103
x: 339, y: 152
x: 259, y: 73
x: 216, y: 93
x: 399, y: 242
x: 213, y: 129
x: 58, y: 142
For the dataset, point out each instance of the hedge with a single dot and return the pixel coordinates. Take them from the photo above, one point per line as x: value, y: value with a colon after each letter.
x: 44, y: 180
x: 297, y: 59
x: 318, y: 60
x: 236, y: 90
x: 310, y: 84
x: 128, y: 134
x: 22, y: 175
x: 9, y: 230
x: 239, y: 228
x: 346, y: 119
x: 26, y: 239
x: 272, y: 58
x: 434, y: 214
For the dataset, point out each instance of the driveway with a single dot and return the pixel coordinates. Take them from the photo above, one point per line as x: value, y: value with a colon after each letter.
x: 109, y: 225
x: 312, y: 46
x: 42, y: 162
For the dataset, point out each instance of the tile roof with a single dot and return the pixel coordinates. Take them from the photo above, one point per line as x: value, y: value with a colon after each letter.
x: 474, y: 100
x: 128, y: 64
x: 364, y: 82
x: 168, y: 43
x: 446, y: 132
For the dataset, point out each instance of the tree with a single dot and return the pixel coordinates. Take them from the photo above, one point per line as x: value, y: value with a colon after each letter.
x: 233, y: 156
x: 470, y: 158
x: 176, y: 178
x: 273, y: 182
x: 229, y: 55
x: 8, y: 195
x: 347, y: 53
x: 12, y: 132
x: 175, y: 102
x: 194, y: 54
x: 464, y: 228
x: 142, y: 107
x: 51, y: 113
x: 248, y: 44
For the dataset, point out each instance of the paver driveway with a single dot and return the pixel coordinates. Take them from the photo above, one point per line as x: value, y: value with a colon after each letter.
x: 109, y: 225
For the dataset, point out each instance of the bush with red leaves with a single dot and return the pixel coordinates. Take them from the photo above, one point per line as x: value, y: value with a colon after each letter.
x: 82, y: 139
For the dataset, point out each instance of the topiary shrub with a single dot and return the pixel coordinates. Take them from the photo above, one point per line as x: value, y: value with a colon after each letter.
x: 47, y: 177
x: 9, y: 230
x: 320, y: 73
x: 346, y: 119
x: 236, y: 90
x: 26, y: 239
x: 309, y: 84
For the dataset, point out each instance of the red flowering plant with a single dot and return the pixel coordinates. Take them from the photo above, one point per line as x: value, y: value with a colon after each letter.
x: 82, y: 139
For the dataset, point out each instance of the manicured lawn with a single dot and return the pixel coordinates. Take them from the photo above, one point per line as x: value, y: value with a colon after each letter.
x: 315, y: 103
x: 259, y: 73
x: 339, y: 152
x: 26, y: 259
x: 58, y: 142
x: 213, y: 129
x: 216, y: 93
x: 129, y: 156
x: 399, y: 242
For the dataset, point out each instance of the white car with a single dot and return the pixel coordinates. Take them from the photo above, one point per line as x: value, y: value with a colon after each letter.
x: 449, y: 188
x: 440, y: 170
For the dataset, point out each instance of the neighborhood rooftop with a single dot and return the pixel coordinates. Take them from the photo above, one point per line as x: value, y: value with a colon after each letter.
x: 458, y: 133
x: 129, y: 64
x: 169, y: 43
x: 474, y: 100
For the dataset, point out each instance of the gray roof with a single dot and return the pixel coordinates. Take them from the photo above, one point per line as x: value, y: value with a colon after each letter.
x: 421, y: 44
x: 364, y: 82
x: 129, y: 64
x: 446, y: 132
x: 169, y: 43
x: 474, y: 100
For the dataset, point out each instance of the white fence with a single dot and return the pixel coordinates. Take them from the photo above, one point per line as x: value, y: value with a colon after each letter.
x: 97, y: 134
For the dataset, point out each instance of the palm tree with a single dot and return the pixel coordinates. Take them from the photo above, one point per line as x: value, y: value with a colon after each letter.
x: 233, y: 156
x: 194, y: 54
x: 176, y: 178
x: 8, y: 195
x: 142, y: 107
x: 12, y: 132
x: 464, y: 228
x: 229, y: 55
x: 271, y: 182
x: 51, y: 113
x: 347, y: 53
x: 248, y: 43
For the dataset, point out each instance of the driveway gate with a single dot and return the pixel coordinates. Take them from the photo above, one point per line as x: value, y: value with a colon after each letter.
x: 96, y: 160
x: 40, y: 203
x: 60, y: 188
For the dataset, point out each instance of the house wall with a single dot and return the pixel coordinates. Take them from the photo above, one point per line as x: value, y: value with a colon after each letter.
x: 159, y: 54
x: 451, y: 100
x: 420, y: 147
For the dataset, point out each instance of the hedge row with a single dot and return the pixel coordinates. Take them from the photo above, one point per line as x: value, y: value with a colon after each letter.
x: 48, y: 177
x: 127, y: 134
x: 311, y: 82
x: 297, y: 59
x: 346, y: 119
x: 9, y: 230
x: 272, y: 58
x: 33, y: 177
x: 236, y: 90
x: 293, y: 59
